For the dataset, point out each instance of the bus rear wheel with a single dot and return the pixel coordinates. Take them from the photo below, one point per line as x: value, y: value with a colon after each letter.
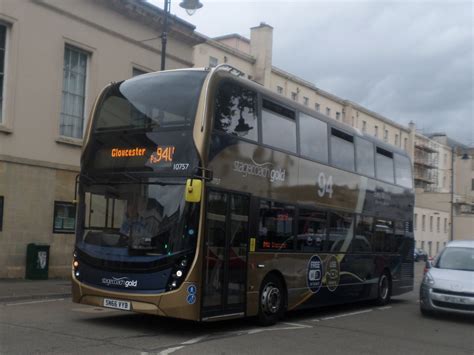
x: 272, y: 301
x: 384, y: 289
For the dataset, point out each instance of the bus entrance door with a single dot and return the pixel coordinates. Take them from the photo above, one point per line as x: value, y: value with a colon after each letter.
x: 225, y: 255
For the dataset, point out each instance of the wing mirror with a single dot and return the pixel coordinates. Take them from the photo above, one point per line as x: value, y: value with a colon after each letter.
x: 428, y: 265
x: 193, y: 190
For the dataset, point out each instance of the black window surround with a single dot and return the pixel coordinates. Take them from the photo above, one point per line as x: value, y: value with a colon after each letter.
x: 2, y: 200
x: 66, y: 222
x: 290, y: 113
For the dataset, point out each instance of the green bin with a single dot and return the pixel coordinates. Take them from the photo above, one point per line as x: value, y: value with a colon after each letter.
x: 37, y: 261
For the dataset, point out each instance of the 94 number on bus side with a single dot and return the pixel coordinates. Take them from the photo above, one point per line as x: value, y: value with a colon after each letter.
x: 325, y: 185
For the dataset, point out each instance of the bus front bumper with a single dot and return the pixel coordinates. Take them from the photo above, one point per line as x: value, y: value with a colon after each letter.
x: 177, y: 303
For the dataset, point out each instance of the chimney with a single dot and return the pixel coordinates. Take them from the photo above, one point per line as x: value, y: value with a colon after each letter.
x: 261, y: 43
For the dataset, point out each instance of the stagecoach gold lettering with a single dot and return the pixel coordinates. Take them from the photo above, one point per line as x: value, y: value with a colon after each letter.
x: 262, y: 171
x: 124, y: 153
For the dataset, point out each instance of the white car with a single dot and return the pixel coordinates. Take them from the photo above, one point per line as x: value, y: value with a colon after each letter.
x: 448, y: 284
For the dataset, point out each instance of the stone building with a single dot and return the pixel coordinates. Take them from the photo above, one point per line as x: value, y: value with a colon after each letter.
x: 55, y: 57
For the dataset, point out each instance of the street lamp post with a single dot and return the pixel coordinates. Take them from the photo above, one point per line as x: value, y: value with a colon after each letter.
x: 190, y: 6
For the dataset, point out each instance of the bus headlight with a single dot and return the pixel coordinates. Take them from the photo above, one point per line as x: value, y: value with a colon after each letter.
x: 177, y: 274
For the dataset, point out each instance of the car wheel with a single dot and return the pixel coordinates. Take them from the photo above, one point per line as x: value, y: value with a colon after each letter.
x: 272, y: 301
x: 384, y: 290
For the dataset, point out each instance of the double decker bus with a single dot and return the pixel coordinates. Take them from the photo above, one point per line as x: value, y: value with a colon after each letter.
x: 205, y: 196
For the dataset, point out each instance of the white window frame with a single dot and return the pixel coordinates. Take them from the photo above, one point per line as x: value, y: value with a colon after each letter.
x: 88, y: 54
x: 5, y: 64
x: 211, y: 59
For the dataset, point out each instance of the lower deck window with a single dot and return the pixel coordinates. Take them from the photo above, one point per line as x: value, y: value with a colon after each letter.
x: 275, y: 229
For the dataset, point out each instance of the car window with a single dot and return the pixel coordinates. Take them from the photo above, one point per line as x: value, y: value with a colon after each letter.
x: 456, y: 258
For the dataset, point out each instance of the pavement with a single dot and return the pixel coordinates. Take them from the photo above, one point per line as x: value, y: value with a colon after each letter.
x: 19, y: 289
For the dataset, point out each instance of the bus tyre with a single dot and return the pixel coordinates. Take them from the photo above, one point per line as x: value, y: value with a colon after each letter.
x: 384, y: 289
x: 272, y: 301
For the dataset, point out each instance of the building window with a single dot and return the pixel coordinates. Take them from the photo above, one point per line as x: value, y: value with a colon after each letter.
x: 385, y: 135
x: 328, y: 112
x: 279, y: 90
x: 472, y: 184
x: 444, y: 182
x: 364, y: 126
x: 3, y: 42
x: 396, y: 139
x: 376, y: 131
x: 445, y: 225
x: 74, y: 92
x: 438, y: 224
x: 338, y: 116
x: 445, y: 158
x: 431, y: 223
x: 294, y: 96
x: 213, y: 62
x: 437, y: 247
x: 423, y: 244
x: 305, y: 101
x: 137, y: 72
x: 416, y: 221
x: 64, y: 217
x: 317, y: 107
x: 405, y: 144
x: 423, y: 223
x: 1, y: 212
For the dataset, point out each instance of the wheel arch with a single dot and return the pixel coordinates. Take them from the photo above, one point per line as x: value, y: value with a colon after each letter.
x: 280, y: 276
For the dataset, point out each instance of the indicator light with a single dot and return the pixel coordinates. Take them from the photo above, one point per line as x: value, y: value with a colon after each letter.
x: 179, y: 273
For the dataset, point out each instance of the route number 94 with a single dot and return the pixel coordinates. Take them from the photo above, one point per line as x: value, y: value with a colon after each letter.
x: 325, y: 185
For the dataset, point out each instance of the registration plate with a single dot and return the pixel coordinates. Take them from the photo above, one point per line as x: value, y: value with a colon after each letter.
x: 454, y: 299
x: 123, y: 305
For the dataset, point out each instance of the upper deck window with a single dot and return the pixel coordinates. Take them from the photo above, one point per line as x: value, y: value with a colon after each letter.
x: 365, y: 157
x: 278, y: 126
x: 313, y: 138
x: 403, y: 171
x: 384, y: 164
x: 153, y: 101
x: 342, y: 149
x: 236, y: 111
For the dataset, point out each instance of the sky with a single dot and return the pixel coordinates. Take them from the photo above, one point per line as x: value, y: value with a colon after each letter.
x: 407, y: 60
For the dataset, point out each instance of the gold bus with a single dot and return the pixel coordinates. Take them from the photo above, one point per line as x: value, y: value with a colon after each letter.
x: 205, y: 196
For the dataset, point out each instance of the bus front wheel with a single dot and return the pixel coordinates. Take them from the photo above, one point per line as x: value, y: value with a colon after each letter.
x: 272, y: 300
x: 384, y: 289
